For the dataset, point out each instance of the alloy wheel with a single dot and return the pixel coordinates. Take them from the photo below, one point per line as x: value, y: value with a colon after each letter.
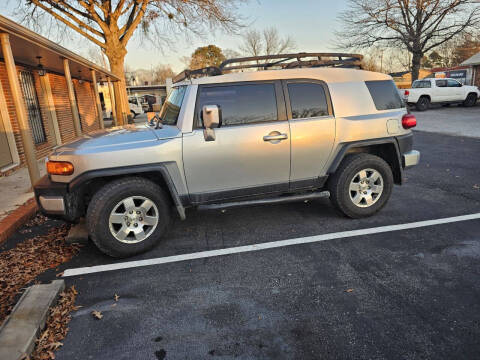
x: 133, y: 219
x: 366, y: 187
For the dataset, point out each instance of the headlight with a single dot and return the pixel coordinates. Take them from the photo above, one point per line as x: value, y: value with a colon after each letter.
x: 59, y: 168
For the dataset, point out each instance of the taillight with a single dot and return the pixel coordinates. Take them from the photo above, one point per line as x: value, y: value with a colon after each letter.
x: 409, y: 121
x: 59, y: 168
x: 407, y: 93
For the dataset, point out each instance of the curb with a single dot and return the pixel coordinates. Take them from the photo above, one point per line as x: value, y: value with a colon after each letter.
x: 17, y: 218
x: 19, y: 331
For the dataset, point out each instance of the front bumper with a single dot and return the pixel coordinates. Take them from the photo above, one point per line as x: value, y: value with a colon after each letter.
x: 410, y: 158
x: 53, y: 198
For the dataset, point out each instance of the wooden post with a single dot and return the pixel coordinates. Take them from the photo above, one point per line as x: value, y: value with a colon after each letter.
x: 121, y: 116
x: 51, y: 113
x: 7, y: 127
x: 112, y: 103
x: 97, y: 99
x: 73, y: 100
x: 21, y: 110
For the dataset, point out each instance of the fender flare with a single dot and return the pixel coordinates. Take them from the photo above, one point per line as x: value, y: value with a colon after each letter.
x: 345, y: 147
x: 160, y: 168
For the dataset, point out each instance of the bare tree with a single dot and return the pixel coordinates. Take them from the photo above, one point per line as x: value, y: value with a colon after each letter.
x: 110, y: 24
x: 267, y: 42
x: 161, y: 73
x: 417, y: 25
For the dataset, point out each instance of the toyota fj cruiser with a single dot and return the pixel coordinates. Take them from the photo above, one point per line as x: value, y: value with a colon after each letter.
x: 306, y: 126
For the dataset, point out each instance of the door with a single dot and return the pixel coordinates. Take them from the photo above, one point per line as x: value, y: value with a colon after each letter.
x: 441, y: 92
x: 455, y: 90
x: 5, y: 154
x: 251, y: 151
x: 312, y: 129
x: 33, y: 108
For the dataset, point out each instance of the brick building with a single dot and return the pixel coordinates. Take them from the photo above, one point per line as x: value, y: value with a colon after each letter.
x: 48, y: 97
x: 474, y: 63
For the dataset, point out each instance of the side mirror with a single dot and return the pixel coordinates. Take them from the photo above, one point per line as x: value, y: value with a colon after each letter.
x: 212, y: 118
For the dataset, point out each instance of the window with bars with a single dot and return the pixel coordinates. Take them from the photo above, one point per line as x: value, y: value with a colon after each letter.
x: 33, y: 107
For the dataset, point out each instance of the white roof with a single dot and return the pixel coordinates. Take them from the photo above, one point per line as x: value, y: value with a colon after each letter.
x: 329, y: 75
x: 474, y: 60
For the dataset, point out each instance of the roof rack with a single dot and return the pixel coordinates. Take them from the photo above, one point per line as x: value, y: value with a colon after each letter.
x: 282, y: 61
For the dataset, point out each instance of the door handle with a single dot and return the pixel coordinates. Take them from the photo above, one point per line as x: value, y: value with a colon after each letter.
x: 275, y: 137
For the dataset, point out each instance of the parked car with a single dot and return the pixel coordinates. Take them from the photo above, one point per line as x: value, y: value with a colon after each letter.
x: 135, y: 105
x: 440, y: 91
x: 237, y: 139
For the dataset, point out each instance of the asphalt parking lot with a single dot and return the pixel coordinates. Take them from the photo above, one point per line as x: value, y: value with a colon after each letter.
x: 453, y: 120
x: 405, y: 294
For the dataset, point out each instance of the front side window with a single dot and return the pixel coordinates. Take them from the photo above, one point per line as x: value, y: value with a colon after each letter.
x: 240, y: 104
x: 421, y: 84
x: 453, y: 83
x: 171, y: 107
x: 384, y: 94
x: 307, y: 100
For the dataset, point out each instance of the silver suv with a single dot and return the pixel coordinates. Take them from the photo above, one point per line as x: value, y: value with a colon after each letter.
x: 311, y: 127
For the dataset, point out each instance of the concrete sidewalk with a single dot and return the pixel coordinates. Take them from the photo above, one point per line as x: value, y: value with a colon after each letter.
x: 15, y: 189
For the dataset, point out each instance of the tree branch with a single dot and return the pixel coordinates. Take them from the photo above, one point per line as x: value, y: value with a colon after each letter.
x: 68, y: 23
x: 80, y: 23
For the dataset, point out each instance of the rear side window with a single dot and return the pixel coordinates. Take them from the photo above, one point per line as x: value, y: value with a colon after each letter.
x: 384, y: 94
x: 421, y: 84
x: 240, y: 104
x: 307, y: 100
x: 441, y: 83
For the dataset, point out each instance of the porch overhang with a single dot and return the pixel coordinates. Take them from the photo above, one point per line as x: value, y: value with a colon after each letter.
x: 27, y: 45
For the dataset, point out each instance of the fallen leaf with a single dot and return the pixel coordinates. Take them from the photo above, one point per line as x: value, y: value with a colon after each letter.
x: 116, y: 297
x: 476, y: 186
x: 114, y: 304
x: 97, y: 314
x: 349, y: 290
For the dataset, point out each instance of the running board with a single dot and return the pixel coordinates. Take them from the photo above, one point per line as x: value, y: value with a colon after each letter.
x: 276, y: 200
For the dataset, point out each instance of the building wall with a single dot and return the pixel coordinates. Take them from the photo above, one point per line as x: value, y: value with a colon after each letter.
x: 405, y: 82
x: 63, y: 110
x: 86, y: 105
x: 477, y: 75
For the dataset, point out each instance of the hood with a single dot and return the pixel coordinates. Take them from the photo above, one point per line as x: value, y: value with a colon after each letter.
x: 112, y: 137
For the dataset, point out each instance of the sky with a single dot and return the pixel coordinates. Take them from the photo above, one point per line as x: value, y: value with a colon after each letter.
x: 309, y: 22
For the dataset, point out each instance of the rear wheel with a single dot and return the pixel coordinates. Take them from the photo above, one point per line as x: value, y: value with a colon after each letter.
x: 128, y: 216
x: 471, y: 100
x: 423, y: 103
x: 361, y: 186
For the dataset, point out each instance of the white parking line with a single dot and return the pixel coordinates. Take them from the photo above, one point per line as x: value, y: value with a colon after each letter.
x: 267, y: 245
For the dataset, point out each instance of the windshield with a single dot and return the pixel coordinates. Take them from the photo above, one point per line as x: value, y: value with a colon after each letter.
x: 171, y: 106
x: 417, y: 84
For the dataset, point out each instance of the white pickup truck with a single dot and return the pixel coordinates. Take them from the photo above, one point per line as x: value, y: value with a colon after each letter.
x: 440, y: 91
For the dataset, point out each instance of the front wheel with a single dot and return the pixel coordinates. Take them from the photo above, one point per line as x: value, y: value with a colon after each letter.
x: 128, y: 216
x: 471, y: 100
x: 361, y: 186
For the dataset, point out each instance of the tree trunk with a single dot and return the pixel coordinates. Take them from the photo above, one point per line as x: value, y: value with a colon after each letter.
x: 116, y: 58
x: 416, y: 62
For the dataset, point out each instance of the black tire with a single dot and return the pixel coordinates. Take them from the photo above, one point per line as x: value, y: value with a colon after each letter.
x: 339, y: 183
x: 104, y: 201
x: 471, y: 100
x: 423, y: 103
